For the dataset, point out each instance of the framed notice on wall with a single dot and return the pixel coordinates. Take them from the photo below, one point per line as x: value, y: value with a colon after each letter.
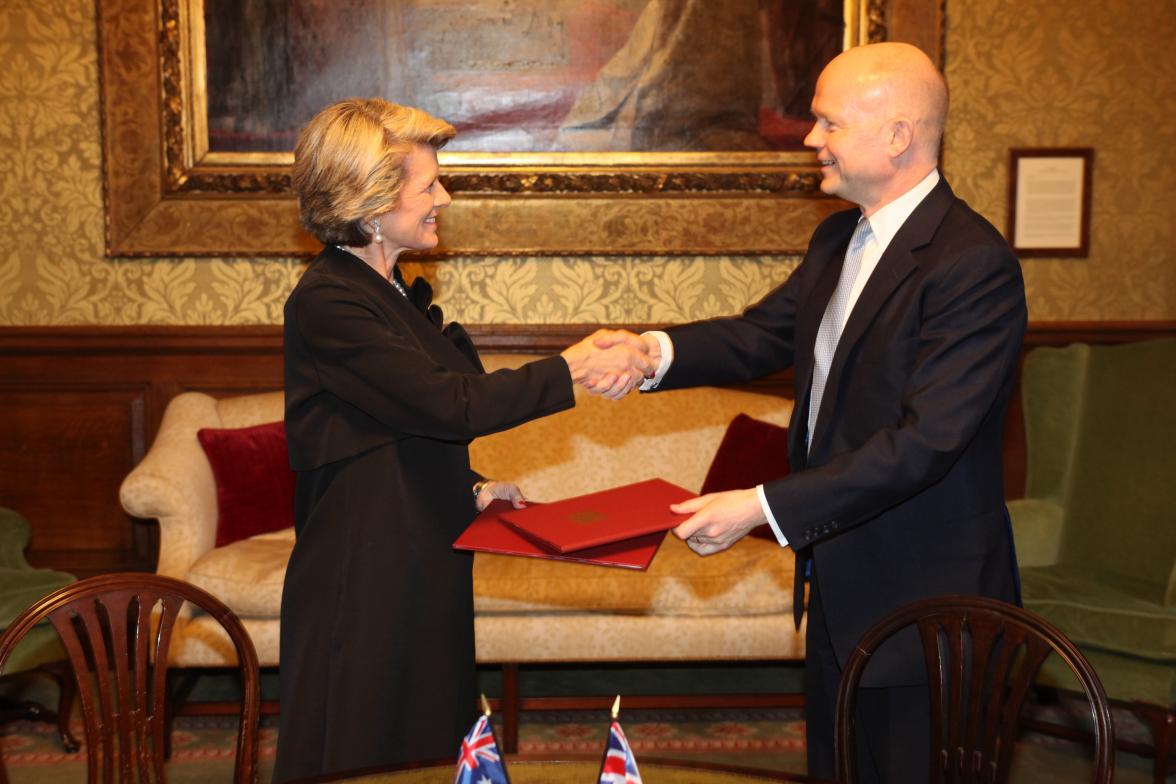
x: 1049, y: 200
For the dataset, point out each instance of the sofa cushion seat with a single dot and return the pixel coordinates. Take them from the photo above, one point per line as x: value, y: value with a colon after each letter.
x: 1104, y: 610
x: 1127, y: 677
x: 752, y: 578
x: 248, y: 574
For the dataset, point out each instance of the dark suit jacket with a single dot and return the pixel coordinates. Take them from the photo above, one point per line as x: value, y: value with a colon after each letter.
x: 901, y: 495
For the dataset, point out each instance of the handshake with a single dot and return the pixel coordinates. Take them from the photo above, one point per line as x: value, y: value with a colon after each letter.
x: 611, y: 362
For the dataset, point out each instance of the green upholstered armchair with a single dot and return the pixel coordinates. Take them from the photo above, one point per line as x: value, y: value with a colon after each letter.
x: 40, y: 653
x: 1096, y: 533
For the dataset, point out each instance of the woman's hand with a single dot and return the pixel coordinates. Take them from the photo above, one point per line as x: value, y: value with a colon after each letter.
x: 503, y: 491
x: 611, y: 362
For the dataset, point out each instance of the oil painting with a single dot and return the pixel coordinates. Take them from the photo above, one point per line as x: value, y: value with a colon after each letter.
x: 526, y: 76
x: 585, y: 127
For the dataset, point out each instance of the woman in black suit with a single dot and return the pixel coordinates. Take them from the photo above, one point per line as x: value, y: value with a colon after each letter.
x: 377, y: 648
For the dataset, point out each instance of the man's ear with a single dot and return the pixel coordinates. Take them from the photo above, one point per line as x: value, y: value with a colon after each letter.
x: 901, y: 135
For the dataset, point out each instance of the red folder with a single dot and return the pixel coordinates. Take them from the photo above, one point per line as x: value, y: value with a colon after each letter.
x: 488, y: 533
x: 601, y: 518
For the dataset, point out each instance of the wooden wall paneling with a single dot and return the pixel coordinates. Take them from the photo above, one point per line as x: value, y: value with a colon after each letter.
x: 65, y: 454
x: 81, y: 405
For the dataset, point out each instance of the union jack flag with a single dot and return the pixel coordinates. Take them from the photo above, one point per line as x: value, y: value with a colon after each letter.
x: 479, y: 762
x: 619, y: 766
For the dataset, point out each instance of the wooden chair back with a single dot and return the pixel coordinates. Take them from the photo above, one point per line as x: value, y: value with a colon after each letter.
x: 982, y: 656
x: 116, y: 628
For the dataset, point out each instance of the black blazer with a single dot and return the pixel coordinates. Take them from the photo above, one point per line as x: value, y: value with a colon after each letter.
x: 901, y: 495
x: 377, y: 640
x: 363, y: 369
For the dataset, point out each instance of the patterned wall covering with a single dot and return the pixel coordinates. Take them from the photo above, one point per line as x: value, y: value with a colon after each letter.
x: 1083, y: 74
x: 1031, y: 74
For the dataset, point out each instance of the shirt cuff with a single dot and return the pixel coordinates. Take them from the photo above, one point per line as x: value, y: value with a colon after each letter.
x: 763, y: 499
x: 667, y: 359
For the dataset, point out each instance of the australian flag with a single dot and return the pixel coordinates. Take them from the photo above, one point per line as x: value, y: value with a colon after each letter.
x: 619, y: 766
x: 479, y: 761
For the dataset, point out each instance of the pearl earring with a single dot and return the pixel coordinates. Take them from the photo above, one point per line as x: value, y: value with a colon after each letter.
x: 376, y: 231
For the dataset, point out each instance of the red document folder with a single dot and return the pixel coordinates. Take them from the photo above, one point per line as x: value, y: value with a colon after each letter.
x: 601, y: 518
x: 488, y: 533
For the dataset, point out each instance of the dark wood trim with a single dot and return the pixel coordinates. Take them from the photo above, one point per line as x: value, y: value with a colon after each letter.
x: 112, y: 384
x: 145, y: 339
x: 511, y: 704
x: 1159, y: 719
x: 1063, y: 333
x: 657, y: 701
x: 186, y: 707
x: 13, y: 708
x: 508, y: 706
x: 524, y: 338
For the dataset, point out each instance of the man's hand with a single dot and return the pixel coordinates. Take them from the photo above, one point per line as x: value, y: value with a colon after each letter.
x: 718, y: 520
x: 504, y: 491
x: 610, y: 362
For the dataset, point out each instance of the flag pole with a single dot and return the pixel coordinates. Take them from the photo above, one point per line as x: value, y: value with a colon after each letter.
x: 616, y: 709
x: 493, y: 734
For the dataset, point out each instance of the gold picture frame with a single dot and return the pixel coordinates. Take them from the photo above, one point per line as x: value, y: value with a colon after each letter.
x: 167, y: 194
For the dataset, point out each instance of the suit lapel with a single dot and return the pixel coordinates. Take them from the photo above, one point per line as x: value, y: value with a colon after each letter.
x: 398, y: 308
x: 895, y: 265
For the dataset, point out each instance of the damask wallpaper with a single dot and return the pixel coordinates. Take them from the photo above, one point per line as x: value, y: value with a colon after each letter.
x: 1022, y: 74
x: 1075, y: 74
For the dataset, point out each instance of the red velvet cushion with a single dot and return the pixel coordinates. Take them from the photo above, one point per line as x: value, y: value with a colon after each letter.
x: 752, y: 452
x: 254, y: 483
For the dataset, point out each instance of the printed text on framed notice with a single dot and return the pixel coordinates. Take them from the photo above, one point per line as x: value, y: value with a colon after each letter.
x: 1049, y: 200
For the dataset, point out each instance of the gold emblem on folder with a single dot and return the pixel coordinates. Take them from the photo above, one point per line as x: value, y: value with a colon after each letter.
x: 586, y: 517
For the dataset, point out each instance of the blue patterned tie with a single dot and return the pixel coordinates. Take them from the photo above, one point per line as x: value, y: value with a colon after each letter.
x: 830, y: 330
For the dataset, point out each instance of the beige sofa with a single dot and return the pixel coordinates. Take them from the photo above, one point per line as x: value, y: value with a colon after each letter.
x: 731, y: 606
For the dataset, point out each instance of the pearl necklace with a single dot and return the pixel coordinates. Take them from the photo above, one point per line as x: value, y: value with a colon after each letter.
x: 392, y: 279
x: 398, y: 286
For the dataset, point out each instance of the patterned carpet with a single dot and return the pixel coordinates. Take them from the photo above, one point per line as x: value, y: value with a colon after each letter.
x: 768, y: 739
x: 771, y: 739
x: 202, y: 751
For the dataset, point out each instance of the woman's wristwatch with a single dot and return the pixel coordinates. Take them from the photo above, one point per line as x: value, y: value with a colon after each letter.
x: 480, y: 485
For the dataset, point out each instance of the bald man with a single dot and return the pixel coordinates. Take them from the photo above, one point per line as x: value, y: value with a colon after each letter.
x: 905, y: 343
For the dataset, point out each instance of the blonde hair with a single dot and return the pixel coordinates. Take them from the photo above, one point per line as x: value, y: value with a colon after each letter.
x: 349, y: 164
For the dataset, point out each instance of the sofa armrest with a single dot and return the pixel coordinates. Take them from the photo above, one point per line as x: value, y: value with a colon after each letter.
x: 1037, y: 530
x: 174, y: 485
